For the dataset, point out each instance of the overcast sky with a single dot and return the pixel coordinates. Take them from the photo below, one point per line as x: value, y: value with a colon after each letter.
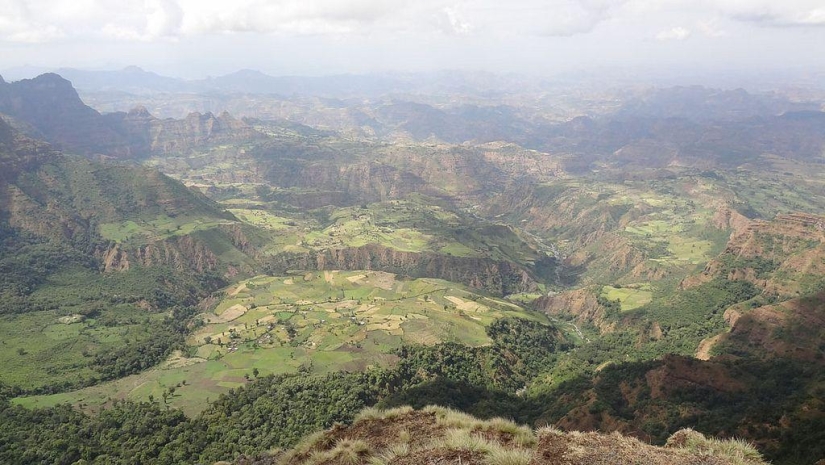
x: 196, y: 38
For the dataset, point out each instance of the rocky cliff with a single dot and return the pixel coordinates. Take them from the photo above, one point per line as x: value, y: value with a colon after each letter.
x: 500, y: 277
x: 51, y: 105
x: 783, y: 256
x: 146, y: 135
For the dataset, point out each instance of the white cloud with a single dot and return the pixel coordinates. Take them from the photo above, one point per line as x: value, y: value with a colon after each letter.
x: 675, y: 33
x: 155, y: 19
x: 285, y: 16
x: 149, y: 20
x: 785, y: 13
x: 711, y: 28
x: 18, y: 24
x: 451, y: 21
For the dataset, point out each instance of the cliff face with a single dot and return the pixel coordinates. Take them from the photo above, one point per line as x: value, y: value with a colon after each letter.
x: 783, y: 256
x: 499, y: 277
x: 793, y: 329
x: 351, y: 183
x: 145, y: 135
x: 50, y: 197
x: 582, y: 303
x: 51, y: 105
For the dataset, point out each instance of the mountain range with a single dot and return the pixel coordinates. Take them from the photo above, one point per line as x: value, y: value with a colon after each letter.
x: 652, y: 266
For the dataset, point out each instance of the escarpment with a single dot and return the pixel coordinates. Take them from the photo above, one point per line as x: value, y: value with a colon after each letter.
x: 500, y: 277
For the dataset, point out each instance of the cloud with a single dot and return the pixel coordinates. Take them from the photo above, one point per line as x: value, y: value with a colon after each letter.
x: 150, y: 20
x: 451, y: 21
x: 18, y: 24
x: 786, y: 13
x: 285, y: 16
x: 711, y: 28
x: 156, y: 19
x: 675, y: 33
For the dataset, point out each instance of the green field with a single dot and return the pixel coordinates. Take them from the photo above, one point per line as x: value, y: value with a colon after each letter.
x: 161, y: 227
x: 630, y: 297
x: 55, y: 346
x: 317, y: 322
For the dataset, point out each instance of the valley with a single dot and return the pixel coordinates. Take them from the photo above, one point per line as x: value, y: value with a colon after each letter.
x: 311, y: 323
x: 246, y: 279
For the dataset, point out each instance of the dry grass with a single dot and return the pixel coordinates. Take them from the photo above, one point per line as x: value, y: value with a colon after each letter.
x: 391, y: 453
x: 448, y: 434
x: 463, y: 440
x: 371, y: 413
x: 737, y: 451
x: 345, y: 452
x: 520, y: 435
x: 504, y: 456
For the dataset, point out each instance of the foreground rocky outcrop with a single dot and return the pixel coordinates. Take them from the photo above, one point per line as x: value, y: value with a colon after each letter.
x: 437, y: 435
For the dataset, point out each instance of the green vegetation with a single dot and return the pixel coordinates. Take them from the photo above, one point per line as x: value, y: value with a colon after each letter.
x: 629, y: 296
x: 109, y: 282
x: 155, y: 229
x: 318, y: 322
x: 65, y: 325
x: 271, y: 411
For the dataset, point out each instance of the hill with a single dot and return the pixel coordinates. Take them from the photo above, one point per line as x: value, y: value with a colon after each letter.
x: 82, y: 302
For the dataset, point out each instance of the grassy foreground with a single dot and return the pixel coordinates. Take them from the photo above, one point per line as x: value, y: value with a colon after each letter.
x: 439, y: 435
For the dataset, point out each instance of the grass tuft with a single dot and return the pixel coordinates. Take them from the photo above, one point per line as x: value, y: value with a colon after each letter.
x: 505, y: 456
x: 738, y: 451
x: 522, y: 435
x: 463, y: 440
x: 345, y: 452
x: 372, y: 413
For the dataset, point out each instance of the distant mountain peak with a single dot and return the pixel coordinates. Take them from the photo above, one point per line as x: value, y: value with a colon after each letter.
x: 249, y: 72
x: 139, y: 110
x: 133, y: 69
x: 52, y: 78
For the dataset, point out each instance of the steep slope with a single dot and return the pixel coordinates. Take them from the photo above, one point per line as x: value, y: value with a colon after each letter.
x: 146, y: 135
x: 50, y: 104
x: 782, y: 256
x: 99, y: 265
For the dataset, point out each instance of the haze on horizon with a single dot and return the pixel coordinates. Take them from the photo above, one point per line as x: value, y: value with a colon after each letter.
x: 198, y: 38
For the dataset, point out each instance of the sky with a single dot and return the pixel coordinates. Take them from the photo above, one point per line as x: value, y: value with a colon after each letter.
x: 199, y: 38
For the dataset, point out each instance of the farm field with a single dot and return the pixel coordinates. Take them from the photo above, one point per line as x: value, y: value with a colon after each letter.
x: 630, y: 297
x: 161, y: 227
x: 316, y: 322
